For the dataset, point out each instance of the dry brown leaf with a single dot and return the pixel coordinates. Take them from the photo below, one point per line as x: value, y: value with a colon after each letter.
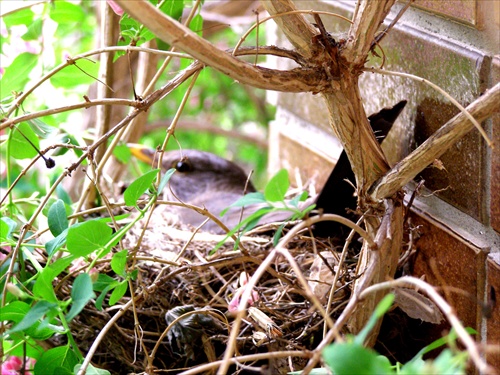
x: 417, y: 306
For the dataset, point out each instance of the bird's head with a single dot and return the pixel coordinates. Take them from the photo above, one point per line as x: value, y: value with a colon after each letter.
x: 197, y: 172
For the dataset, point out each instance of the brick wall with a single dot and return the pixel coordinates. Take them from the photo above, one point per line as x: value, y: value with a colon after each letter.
x: 454, y: 44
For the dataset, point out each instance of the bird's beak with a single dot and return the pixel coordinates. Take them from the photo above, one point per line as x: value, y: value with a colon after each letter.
x: 141, y: 152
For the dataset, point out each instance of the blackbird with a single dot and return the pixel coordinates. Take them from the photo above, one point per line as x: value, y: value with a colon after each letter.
x: 206, y: 180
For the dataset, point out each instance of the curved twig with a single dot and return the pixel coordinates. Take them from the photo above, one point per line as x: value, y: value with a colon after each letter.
x: 172, y: 32
x: 436, y: 145
x: 440, y: 90
x: 242, y: 39
x: 71, y: 61
x: 281, y: 250
x: 445, y: 308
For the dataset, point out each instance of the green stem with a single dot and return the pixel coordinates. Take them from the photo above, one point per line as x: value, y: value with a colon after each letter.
x: 71, y: 340
x: 105, y: 249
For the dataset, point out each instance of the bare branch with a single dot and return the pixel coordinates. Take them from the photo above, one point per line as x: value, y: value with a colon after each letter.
x: 295, y: 26
x: 172, y: 32
x: 370, y: 16
x: 436, y: 145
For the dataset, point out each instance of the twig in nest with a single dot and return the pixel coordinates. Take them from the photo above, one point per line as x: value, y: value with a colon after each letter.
x: 281, y: 250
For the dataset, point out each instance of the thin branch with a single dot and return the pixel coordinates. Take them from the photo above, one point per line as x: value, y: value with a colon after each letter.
x: 436, y: 145
x: 447, y: 310
x: 281, y: 250
x: 247, y: 358
x: 52, y: 111
x: 204, y: 125
x: 391, y: 25
x: 172, y: 32
x: 370, y: 16
x: 441, y: 91
x: 242, y: 39
x: 100, y: 336
x: 71, y: 61
x: 185, y: 74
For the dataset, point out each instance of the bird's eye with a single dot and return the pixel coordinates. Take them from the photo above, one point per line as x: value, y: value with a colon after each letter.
x: 183, y: 166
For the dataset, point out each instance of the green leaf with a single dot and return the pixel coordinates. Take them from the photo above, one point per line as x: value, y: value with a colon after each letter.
x: 56, y: 243
x: 196, y: 24
x: 99, y: 301
x: 314, y: 371
x: 64, y: 12
x: 103, y: 281
x: 122, y: 153
x: 118, y: 262
x: 164, y: 180
x: 84, y: 73
x: 247, y: 224
x: 32, y: 349
x: 43, y: 288
x: 20, y: 148
x: 442, y: 341
x: 91, y: 370
x: 41, y: 128
x: 40, y: 331
x: 63, y: 194
x: 87, y: 237
x: 133, y: 33
x: 57, y: 219
x: 43, y: 285
x: 33, y: 315
x: 34, y: 30
x: 351, y: 358
x: 22, y: 16
x: 277, y: 186
x: 298, y: 198
x: 7, y: 227
x: 139, y: 187
x: 447, y: 362
x: 54, y: 361
x: 246, y: 200
x: 16, y: 75
x: 277, y: 235
x: 173, y: 9
x: 14, y: 311
x: 63, y: 371
x: 81, y: 294
x: 118, y: 292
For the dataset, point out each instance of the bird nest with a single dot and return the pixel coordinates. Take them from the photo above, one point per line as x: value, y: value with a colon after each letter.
x: 177, y: 312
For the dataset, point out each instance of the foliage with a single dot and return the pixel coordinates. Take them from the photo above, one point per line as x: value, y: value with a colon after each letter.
x: 44, y: 235
x: 351, y: 357
x: 272, y: 200
x: 38, y: 39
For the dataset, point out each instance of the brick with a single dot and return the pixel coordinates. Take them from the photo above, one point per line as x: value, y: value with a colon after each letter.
x: 493, y: 321
x: 462, y: 74
x: 460, y: 10
x: 461, y: 181
x: 447, y: 260
x: 495, y: 156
